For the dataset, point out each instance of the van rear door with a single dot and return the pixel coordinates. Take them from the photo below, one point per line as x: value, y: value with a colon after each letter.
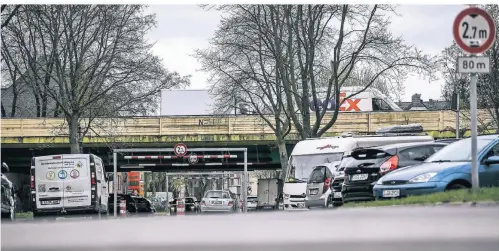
x: 77, y: 183
x: 49, y: 180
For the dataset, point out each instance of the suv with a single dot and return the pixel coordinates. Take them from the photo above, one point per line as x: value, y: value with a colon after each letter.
x: 8, y: 197
x: 365, y: 166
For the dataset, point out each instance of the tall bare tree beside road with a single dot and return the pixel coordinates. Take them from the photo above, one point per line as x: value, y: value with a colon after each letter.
x: 487, y: 85
x: 289, y: 58
x: 91, y: 60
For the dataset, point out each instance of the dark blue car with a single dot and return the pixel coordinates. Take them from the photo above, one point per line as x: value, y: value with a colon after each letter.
x: 449, y: 168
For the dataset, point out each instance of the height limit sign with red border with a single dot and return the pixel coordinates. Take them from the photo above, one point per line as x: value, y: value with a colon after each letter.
x: 474, y: 31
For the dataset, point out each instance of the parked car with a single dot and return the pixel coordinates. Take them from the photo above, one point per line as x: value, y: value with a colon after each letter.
x: 144, y: 205
x: 252, y: 203
x: 336, y: 184
x: 319, y: 186
x: 8, y: 196
x: 365, y: 166
x: 217, y: 201
x: 448, y: 140
x: 131, y: 204
x: 448, y: 169
x: 190, y: 205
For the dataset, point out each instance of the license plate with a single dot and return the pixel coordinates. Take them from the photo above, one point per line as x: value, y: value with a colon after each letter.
x: 50, y: 202
x: 314, y: 191
x: 216, y: 202
x: 301, y: 204
x: 337, y: 194
x: 362, y: 176
x: 391, y: 193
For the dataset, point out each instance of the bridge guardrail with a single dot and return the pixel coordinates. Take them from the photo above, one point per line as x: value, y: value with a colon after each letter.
x: 226, y: 125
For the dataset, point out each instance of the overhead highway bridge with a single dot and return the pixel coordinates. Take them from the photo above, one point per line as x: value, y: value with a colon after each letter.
x: 23, y: 138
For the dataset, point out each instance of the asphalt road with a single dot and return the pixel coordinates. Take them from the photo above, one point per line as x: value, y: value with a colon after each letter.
x: 386, y: 229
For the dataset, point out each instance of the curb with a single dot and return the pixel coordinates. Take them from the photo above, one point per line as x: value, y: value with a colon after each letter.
x: 455, y: 203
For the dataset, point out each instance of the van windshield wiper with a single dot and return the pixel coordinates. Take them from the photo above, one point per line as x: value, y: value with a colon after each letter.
x: 441, y: 161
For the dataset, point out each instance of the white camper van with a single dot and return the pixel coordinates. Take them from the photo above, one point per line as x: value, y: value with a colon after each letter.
x: 310, y: 153
x: 68, y: 183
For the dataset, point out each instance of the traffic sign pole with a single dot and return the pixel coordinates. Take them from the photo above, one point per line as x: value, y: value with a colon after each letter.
x: 474, y: 31
x: 474, y: 151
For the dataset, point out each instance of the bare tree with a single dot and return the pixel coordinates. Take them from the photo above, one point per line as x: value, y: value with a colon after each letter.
x: 360, y: 41
x: 243, y: 71
x: 8, y: 12
x: 487, y: 85
x: 91, y: 60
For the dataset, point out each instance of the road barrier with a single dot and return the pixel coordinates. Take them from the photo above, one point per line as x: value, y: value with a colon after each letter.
x: 181, y: 207
x: 123, y: 208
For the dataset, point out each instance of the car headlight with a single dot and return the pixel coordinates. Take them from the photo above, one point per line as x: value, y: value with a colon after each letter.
x: 379, y: 182
x: 286, y: 195
x: 422, y: 178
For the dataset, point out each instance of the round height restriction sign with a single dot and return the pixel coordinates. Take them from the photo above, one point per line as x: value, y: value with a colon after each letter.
x: 474, y: 30
x: 180, y: 149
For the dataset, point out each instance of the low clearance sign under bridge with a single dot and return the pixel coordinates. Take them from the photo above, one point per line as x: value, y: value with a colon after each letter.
x: 350, y: 105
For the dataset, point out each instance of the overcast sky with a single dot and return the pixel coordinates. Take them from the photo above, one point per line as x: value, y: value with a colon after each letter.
x: 183, y: 28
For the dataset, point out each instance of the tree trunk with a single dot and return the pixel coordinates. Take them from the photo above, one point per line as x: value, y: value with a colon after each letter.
x: 4, y: 114
x: 153, y: 182
x: 74, y: 133
x: 14, y: 102
x: 283, y: 156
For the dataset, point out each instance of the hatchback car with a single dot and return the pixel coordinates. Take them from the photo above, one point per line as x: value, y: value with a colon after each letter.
x: 365, y: 166
x: 252, y: 203
x: 448, y: 169
x: 144, y: 205
x: 318, y: 186
x: 217, y: 201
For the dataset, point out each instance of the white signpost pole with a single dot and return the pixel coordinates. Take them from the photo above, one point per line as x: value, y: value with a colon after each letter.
x: 474, y: 31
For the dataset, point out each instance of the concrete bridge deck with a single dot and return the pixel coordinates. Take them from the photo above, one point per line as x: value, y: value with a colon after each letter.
x: 212, y: 130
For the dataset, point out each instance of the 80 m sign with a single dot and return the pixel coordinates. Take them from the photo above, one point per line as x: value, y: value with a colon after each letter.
x: 473, y: 65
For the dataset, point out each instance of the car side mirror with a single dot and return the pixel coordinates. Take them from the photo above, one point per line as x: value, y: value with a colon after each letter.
x: 110, y: 177
x: 492, y: 160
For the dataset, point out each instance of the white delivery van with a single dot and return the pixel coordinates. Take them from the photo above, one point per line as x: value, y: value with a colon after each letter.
x: 68, y: 183
x: 310, y: 153
x: 268, y: 193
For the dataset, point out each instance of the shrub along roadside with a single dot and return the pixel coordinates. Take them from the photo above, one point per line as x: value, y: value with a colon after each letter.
x: 463, y: 195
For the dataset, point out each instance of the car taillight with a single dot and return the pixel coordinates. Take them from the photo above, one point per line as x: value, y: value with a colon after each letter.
x: 231, y: 203
x: 389, y: 165
x: 93, y: 178
x: 32, y: 182
x: 203, y: 203
x: 327, y: 183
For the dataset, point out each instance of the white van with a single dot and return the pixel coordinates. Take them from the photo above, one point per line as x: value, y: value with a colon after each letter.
x: 68, y: 183
x: 310, y: 153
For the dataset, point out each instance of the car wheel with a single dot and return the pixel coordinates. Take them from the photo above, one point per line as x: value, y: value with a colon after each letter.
x: 456, y: 187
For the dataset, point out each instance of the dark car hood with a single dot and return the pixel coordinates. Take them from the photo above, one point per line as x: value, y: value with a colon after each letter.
x: 410, y: 172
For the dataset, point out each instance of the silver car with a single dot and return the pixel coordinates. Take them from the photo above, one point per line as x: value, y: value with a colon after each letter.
x: 217, y: 201
x: 252, y: 202
x: 318, y: 187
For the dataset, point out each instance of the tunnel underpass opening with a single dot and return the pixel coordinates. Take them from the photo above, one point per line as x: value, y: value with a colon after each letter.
x: 173, y: 162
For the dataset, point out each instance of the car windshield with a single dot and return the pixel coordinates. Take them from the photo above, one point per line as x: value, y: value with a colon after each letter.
x: 251, y: 199
x: 459, y: 151
x: 189, y: 200
x: 303, y: 165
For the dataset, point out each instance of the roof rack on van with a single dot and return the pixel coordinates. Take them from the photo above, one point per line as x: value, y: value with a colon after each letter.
x: 401, y: 129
